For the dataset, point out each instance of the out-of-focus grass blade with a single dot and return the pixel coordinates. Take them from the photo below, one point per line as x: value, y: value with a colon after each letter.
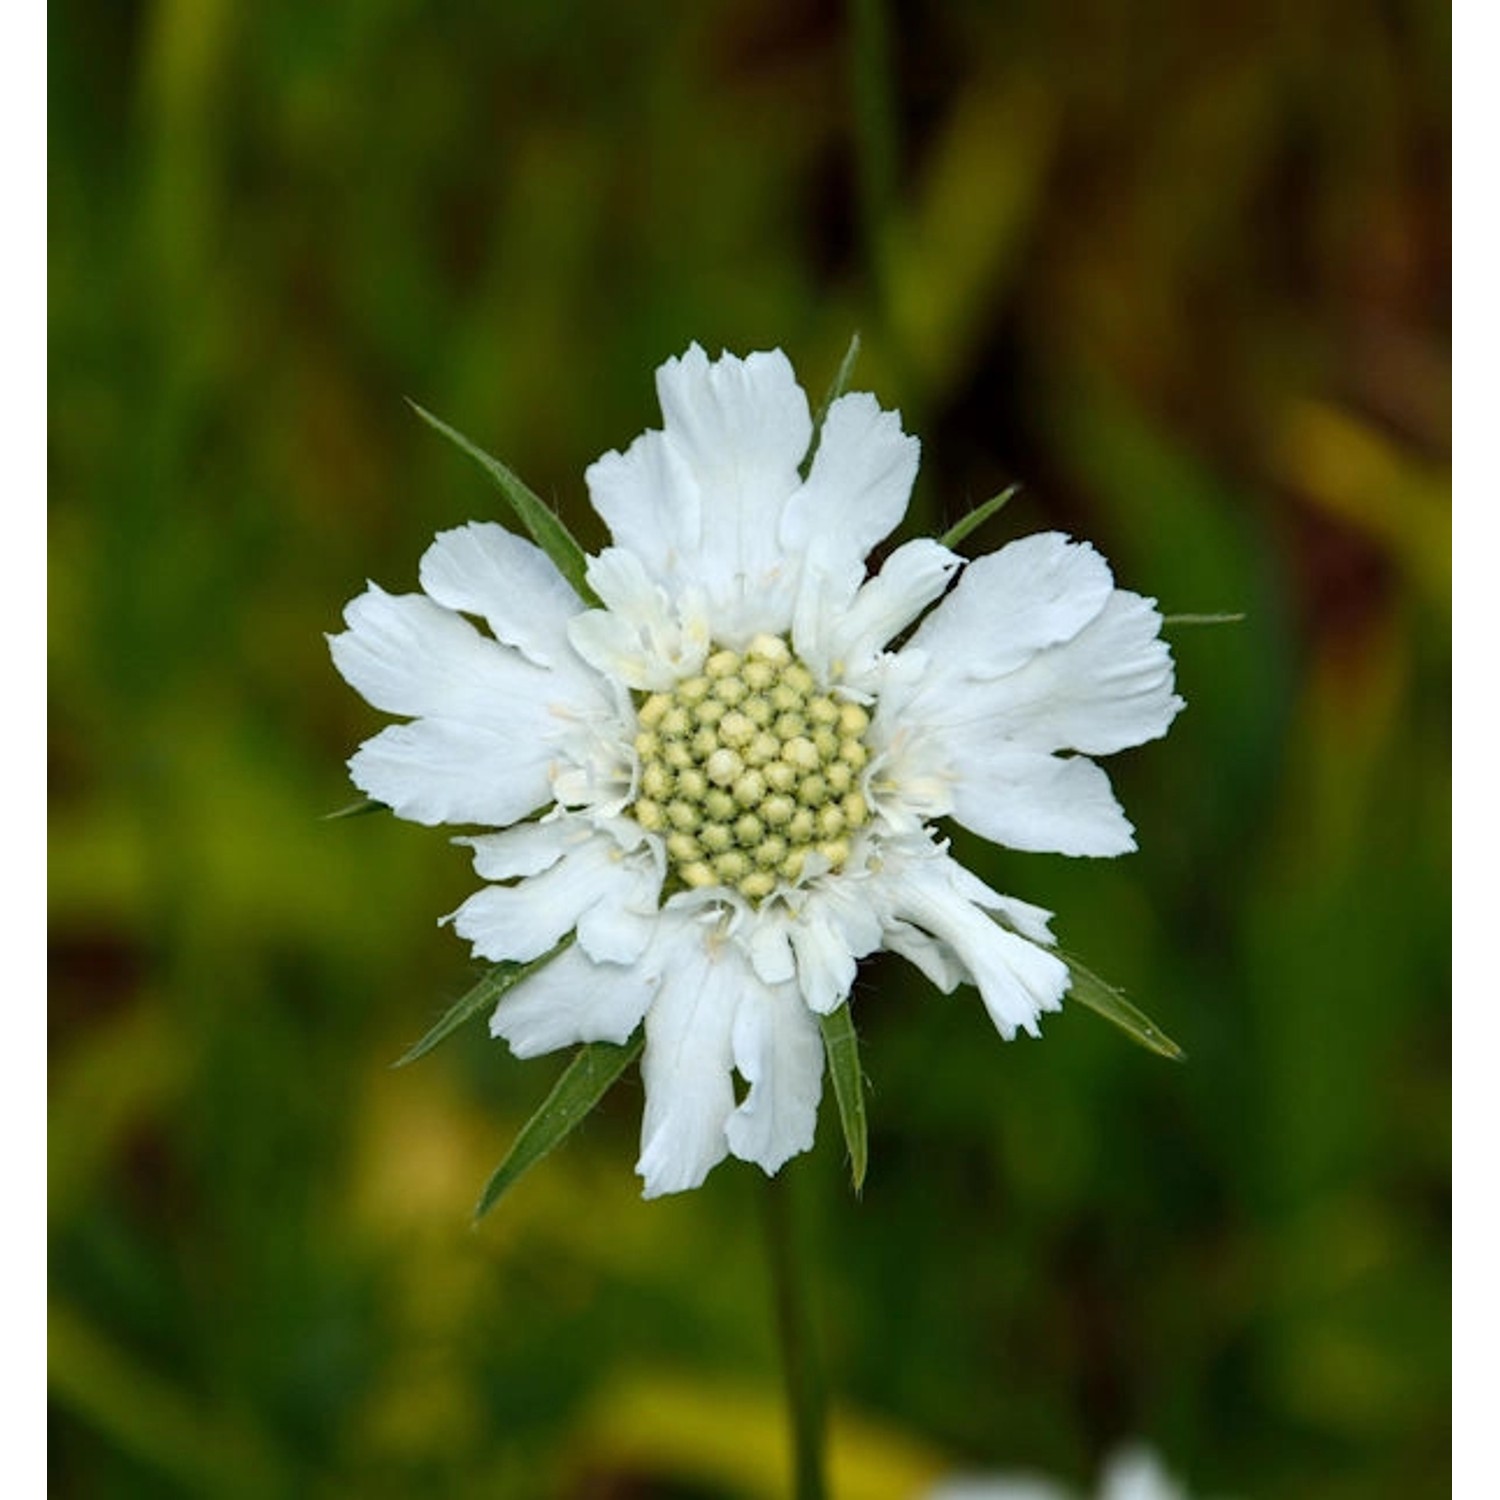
x: 190, y: 1445
x: 501, y: 978
x: 977, y: 517
x: 547, y: 531
x: 842, y: 1046
x: 1229, y: 619
x: 1104, y: 999
x: 360, y: 809
x: 587, y: 1079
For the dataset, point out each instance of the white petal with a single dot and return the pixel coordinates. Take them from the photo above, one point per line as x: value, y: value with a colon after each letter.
x: 858, y: 488
x: 517, y: 923
x: 913, y: 576
x: 909, y: 776
x: 837, y: 925
x: 1107, y: 688
x: 617, y: 930
x: 1002, y: 1487
x: 1013, y: 603
x: 1029, y: 800
x: 611, y: 646
x: 410, y: 656
x: 526, y: 849
x: 1016, y: 979
x: 1030, y: 921
x: 778, y: 1049
x: 818, y: 613
x: 934, y: 958
x: 825, y: 966
x: 988, y: 739
x: 522, y: 921
x: 437, y: 771
x: 742, y: 427
x: 650, y: 501
x: 687, y: 1062
x: 626, y: 588
x: 840, y: 625
x: 642, y: 638
x: 572, y: 999
x: 483, y: 569
x: 617, y: 855
x: 769, y: 949
x: 1137, y: 1474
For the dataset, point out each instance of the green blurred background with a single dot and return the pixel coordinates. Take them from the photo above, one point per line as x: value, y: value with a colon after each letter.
x: 1180, y: 270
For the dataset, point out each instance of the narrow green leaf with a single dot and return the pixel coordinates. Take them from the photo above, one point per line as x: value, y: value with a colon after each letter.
x: 501, y: 978
x: 840, y: 381
x: 842, y: 1046
x: 1230, y: 619
x: 977, y: 517
x: 585, y: 1082
x: 547, y: 531
x: 1104, y: 999
x: 835, y: 390
x: 363, y: 808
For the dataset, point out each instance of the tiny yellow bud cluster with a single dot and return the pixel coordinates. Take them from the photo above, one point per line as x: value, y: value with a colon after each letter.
x: 747, y: 769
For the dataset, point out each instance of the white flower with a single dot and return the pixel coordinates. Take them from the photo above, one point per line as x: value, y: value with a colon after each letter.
x: 726, y: 780
x: 1132, y: 1474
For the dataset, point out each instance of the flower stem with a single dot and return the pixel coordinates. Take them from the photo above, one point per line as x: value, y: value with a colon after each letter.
x: 804, y: 1386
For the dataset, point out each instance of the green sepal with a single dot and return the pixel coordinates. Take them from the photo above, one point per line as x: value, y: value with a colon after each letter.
x: 977, y: 517
x: 501, y: 978
x: 835, y: 390
x: 1104, y: 999
x: 546, y: 529
x: 586, y: 1080
x: 842, y: 1048
x: 361, y: 809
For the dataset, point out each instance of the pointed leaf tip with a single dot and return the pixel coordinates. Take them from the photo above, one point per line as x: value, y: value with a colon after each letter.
x: 977, y: 517
x: 1105, y: 1000
x: 485, y: 993
x: 1213, y: 619
x: 361, y: 809
x: 842, y: 378
x: 583, y: 1084
x: 837, y: 387
x: 546, y: 527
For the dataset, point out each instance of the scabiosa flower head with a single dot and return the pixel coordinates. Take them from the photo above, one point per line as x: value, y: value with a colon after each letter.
x: 725, y: 780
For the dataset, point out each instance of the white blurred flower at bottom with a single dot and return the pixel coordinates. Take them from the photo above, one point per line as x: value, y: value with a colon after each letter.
x: 1132, y: 1474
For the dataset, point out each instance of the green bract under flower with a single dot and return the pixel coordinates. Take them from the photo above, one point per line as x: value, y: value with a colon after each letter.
x: 749, y: 772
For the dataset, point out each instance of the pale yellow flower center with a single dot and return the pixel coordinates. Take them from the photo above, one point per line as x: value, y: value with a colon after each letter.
x: 747, y: 769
